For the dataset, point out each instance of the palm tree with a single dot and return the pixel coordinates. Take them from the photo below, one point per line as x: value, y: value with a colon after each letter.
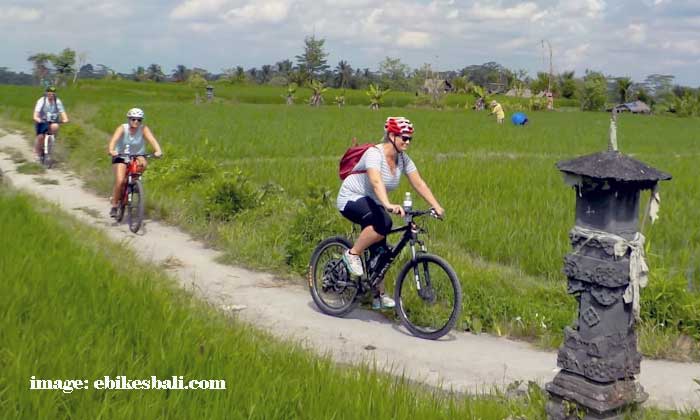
x: 41, y: 69
x: 317, y: 89
x: 623, y: 86
x: 265, y: 73
x: 376, y: 95
x: 567, y: 84
x: 343, y: 74
x: 180, y: 73
x: 340, y: 99
x: 291, y: 90
x: 155, y: 73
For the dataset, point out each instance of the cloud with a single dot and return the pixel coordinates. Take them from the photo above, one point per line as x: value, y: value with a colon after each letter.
x: 192, y: 9
x: 637, y: 32
x: 575, y: 56
x: 413, y: 39
x: 14, y: 14
x: 259, y: 11
x: 522, y: 11
x: 631, y: 37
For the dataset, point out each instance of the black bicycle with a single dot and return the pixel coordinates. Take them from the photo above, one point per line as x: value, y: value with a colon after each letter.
x: 428, y: 294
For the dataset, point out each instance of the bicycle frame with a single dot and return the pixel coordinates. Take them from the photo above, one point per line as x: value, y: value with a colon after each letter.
x: 410, y: 236
x: 132, y: 173
x: 49, y: 140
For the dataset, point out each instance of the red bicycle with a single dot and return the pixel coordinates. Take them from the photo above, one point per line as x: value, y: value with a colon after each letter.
x: 133, y: 200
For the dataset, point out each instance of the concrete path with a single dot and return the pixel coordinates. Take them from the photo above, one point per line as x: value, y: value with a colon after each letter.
x: 460, y: 361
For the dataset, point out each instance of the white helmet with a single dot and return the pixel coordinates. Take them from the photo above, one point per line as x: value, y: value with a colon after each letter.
x: 135, y: 113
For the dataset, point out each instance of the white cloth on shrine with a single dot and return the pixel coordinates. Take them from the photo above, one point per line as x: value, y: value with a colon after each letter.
x: 639, y: 270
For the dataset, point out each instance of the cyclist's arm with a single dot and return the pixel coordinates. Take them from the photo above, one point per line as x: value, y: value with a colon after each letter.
x: 375, y: 179
x: 422, y: 188
x: 64, y: 117
x: 119, y: 132
x: 148, y: 135
x: 37, y: 111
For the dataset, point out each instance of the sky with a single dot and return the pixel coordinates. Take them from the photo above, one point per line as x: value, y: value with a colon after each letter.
x: 632, y: 38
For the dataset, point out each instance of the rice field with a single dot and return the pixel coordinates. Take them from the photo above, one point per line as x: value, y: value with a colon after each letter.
x: 508, y: 210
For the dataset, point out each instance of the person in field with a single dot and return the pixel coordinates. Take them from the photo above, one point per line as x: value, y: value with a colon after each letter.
x: 128, y: 140
x: 363, y: 197
x: 497, y: 109
x: 48, y: 113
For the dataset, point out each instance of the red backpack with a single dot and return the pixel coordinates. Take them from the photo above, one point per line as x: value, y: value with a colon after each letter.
x: 350, y: 159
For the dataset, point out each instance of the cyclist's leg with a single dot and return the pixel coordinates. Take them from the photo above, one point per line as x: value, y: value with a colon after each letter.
x: 119, y: 170
x: 53, y: 128
x: 373, y: 219
x: 142, y: 162
x: 41, y: 129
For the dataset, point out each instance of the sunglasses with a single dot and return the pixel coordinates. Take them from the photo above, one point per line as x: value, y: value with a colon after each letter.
x: 136, y: 119
x: 406, y: 138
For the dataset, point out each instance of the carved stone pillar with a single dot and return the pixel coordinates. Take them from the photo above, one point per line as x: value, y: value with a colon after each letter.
x: 599, y: 357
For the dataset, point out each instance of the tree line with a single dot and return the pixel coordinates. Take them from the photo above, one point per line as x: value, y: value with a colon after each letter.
x: 310, y: 68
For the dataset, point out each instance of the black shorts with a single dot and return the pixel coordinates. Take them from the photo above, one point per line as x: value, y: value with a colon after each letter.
x: 42, y: 127
x: 366, y: 212
x: 121, y: 159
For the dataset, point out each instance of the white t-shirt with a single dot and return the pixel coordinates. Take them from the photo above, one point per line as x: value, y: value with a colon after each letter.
x: 47, y: 110
x: 356, y: 186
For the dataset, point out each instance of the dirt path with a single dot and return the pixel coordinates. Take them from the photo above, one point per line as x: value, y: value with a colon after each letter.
x: 463, y: 362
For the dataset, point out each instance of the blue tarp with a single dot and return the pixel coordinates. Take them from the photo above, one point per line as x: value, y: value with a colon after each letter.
x: 519, y: 118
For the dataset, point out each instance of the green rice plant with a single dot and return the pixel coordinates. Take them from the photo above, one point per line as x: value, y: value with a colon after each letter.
x: 229, y: 194
x: 81, y: 307
x: 508, y: 210
x: 316, y: 220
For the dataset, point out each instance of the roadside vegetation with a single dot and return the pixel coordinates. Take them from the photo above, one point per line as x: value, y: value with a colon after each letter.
x: 75, y: 306
x: 258, y: 179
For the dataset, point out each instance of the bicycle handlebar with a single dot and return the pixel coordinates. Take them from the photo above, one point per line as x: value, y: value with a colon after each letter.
x: 147, y: 155
x: 431, y: 212
x: 418, y: 213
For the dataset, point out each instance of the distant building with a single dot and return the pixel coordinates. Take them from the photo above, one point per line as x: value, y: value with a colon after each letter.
x: 636, y: 107
x: 521, y: 93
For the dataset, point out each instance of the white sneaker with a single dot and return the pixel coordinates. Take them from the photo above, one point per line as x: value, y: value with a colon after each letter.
x: 353, y: 263
x: 383, y: 302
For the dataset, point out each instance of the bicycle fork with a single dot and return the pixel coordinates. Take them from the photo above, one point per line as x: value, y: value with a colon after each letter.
x: 423, y: 285
x: 48, y: 138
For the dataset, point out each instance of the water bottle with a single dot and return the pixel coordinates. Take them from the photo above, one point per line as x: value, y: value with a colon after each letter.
x: 407, y: 203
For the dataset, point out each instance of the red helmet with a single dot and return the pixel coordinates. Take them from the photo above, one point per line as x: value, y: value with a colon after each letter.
x: 398, y: 125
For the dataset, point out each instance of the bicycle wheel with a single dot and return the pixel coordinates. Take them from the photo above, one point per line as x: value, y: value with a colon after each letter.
x: 428, y: 296
x: 48, y: 158
x: 46, y: 151
x: 330, y: 284
x: 136, y: 206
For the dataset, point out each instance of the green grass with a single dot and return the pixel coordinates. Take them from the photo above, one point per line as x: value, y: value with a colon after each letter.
x: 31, y: 168
x: 77, y: 306
x: 258, y: 180
x: 80, y: 307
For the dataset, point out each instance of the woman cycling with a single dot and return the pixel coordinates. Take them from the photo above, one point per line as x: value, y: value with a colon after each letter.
x: 128, y: 139
x: 363, y: 197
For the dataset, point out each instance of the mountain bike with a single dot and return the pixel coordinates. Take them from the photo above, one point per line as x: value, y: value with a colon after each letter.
x: 428, y: 294
x: 46, y: 155
x: 46, y: 158
x: 133, y: 201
